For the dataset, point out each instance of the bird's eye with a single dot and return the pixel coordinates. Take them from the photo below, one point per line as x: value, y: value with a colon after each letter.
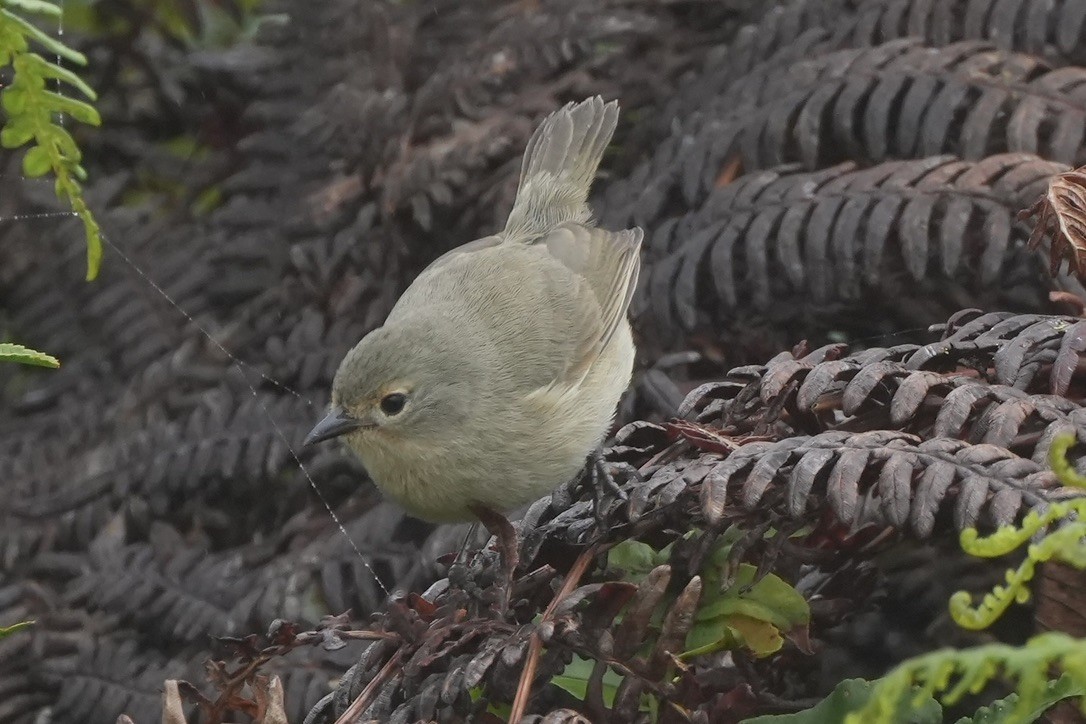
x: 392, y: 404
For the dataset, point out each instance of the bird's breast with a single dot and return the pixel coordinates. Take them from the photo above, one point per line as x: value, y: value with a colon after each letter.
x: 504, y: 456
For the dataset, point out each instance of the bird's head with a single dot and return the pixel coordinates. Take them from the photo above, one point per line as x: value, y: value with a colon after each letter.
x: 407, y: 382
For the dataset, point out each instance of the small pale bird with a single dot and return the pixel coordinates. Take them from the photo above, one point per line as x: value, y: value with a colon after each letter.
x: 498, y: 371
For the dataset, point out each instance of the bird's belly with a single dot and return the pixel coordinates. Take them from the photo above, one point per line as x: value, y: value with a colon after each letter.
x: 449, y: 495
x: 443, y: 489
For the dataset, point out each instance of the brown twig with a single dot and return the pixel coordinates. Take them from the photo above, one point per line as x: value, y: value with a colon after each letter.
x: 535, y: 643
x: 362, y: 700
x: 363, y: 635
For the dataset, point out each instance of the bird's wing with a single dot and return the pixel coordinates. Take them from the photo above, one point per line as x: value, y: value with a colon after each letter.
x: 606, y: 265
x: 541, y: 313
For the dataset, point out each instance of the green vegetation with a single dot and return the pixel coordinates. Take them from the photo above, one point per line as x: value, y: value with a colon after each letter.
x: 17, y: 353
x: 1050, y: 667
x: 33, y: 112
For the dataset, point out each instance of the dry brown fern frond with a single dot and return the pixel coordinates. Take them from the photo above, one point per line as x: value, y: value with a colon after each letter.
x: 900, y: 99
x: 806, y: 27
x: 1061, y: 214
x: 819, y: 106
x: 1011, y: 380
x: 881, y: 478
x: 938, y: 228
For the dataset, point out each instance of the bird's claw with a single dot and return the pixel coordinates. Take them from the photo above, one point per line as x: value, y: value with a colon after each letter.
x: 605, y: 489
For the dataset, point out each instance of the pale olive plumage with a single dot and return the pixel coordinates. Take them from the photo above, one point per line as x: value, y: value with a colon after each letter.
x: 508, y: 354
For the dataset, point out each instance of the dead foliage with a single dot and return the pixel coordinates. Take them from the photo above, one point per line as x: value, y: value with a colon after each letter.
x: 1061, y: 214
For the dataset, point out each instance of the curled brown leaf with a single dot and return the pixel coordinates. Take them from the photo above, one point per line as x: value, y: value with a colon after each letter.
x: 1061, y: 214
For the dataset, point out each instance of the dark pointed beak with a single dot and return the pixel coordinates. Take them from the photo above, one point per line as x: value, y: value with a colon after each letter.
x: 335, y: 423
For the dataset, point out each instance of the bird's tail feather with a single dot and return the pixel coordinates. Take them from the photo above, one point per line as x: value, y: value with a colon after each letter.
x: 559, y: 165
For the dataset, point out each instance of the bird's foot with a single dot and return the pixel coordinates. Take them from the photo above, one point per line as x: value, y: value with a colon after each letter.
x: 500, y: 527
x: 605, y: 489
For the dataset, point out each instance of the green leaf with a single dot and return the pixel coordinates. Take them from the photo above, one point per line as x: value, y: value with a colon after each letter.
x: 41, y: 7
x: 1003, y: 710
x: 50, y: 43
x: 37, y: 162
x: 79, y: 110
x: 14, y: 101
x: 47, y: 69
x: 8, y: 631
x: 708, y: 638
x: 746, y: 615
x: 951, y: 674
x: 722, y: 550
x: 574, y: 679
x: 1061, y: 465
x: 17, y: 353
x: 17, y: 132
x: 62, y: 140
x: 635, y: 558
x: 30, y: 108
x: 94, y: 239
x: 850, y: 695
x: 770, y: 599
x: 732, y: 632
x: 11, y: 43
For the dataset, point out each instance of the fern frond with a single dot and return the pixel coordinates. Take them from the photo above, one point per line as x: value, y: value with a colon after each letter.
x: 999, y: 712
x: 1057, y: 458
x: 14, y: 628
x: 31, y: 111
x: 1067, y: 544
x: 18, y: 353
x: 950, y: 674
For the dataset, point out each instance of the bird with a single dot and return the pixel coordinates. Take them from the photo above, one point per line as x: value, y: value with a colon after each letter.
x: 497, y: 373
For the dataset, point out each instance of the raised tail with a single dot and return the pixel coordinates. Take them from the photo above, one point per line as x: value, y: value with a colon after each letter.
x: 559, y: 165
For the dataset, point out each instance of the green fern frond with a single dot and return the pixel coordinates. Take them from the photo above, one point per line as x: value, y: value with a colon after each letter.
x: 950, y: 674
x: 1066, y: 544
x: 1002, y: 710
x: 17, y: 353
x: 15, y: 628
x: 31, y: 110
x: 1061, y: 465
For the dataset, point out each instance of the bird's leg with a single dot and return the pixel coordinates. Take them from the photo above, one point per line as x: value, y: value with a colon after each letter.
x: 603, y: 476
x: 461, y: 553
x: 603, y: 483
x: 500, y: 527
x: 459, y: 569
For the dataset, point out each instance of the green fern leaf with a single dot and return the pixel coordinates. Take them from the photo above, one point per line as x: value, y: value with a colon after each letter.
x: 37, y: 34
x: 36, y: 162
x: 41, y: 7
x: 17, y: 353
x: 9, y: 630
x: 950, y: 674
x: 1061, y: 464
x: 1001, y: 711
x: 31, y: 110
x: 53, y: 71
x: 848, y: 696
